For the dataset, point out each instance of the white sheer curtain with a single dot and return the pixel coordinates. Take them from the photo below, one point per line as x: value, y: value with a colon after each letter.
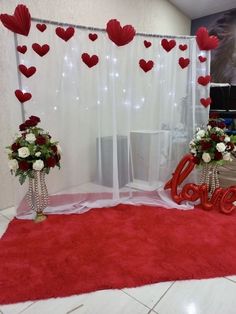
x: 122, y: 131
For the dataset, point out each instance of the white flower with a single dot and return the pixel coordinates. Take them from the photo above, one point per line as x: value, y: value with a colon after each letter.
x: 201, y: 133
x: 208, y: 127
x: 59, y: 150
x: 13, y: 164
x: 193, y: 151
x: 38, y: 165
x: 218, y: 129
x: 30, y: 137
x: 227, y: 157
x: 227, y: 139
x: 206, y: 157
x: 37, y: 154
x: 220, y: 147
x: 198, y: 138
x: 23, y: 152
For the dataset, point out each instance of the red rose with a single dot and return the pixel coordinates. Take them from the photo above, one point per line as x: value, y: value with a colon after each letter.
x: 221, y: 125
x: 214, y: 115
x: 54, y: 149
x: 34, y: 118
x: 215, y: 137
x: 221, y: 138
x: 212, y: 123
x: 15, y: 146
x: 205, y: 145
x: 196, y: 160
x: 24, y: 165
x: 229, y: 146
x: 51, y: 162
x: 22, y: 127
x: 218, y: 156
x: 30, y: 123
x: 40, y: 140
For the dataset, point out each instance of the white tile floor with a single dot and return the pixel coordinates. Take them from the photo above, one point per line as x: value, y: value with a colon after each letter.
x: 213, y: 296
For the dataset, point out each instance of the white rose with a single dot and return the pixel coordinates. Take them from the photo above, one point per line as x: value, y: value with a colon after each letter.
x: 220, y: 147
x: 59, y: 150
x: 198, y: 138
x: 30, y: 137
x: 227, y: 139
x: 37, y: 154
x: 208, y: 127
x: 227, y: 157
x: 23, y: 152
x: 201, y: 133
x: 218, y: 129
x: 193, y: 151
x: 13, y: 164
x: 206, y: 157
x: 38, y: 165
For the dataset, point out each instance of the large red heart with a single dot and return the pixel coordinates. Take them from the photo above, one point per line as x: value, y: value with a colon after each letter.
x: 183, y: 47
x: 93, y: 37
x: 22, y: 97
x: 22, y: 49
x: 205, y: 101
x: 65, y: 34
x: 90, y: 61
x: 40, y: 50
x: 204, y: 41
x: 19, y: 22
x: 41, y: 27
x: 184, y: 62
x: 147, y: 44
x: 120, y: 35
x: 204, y: 80
x: 168, y: 44
x: 146, y: 65
x: 202, y: 59
x: 28, y: 72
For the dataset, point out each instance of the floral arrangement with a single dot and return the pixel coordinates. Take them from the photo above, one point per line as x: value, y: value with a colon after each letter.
x: 33, y: 150
x: 212, y: 144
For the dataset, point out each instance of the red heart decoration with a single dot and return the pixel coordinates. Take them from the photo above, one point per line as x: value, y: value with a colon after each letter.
x: 147, y: 44
x: 204, y: 80
x: 19, y: 22
x: 184, y: 62
x: 120, y: 35
x: 168, y: 45
x: 183, y: 47
x: 22, y: 97
x: 205, y: 101
x: 22, y: 49
x: 90, y: 61
x: 204, y: 41
x: 28, y: 72
x: 40, y: 50
x: 146, y: 66
x: 202, y: 59
x: 41, y: 27
x: 65, y: 34
x: 93, y: 37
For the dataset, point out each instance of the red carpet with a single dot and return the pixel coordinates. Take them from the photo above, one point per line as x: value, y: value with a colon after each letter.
x: 123, y: 246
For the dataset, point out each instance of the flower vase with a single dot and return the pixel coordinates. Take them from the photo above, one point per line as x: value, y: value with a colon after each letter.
x: 209, y: 176
x: 37, y: 195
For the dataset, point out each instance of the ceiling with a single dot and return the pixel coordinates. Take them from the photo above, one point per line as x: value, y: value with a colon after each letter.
x: 198, y: 8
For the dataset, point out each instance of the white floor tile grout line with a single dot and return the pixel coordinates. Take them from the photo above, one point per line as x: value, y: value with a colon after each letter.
x: 75, y: 308
x: 232, y: 280
x: 136, y: 299
x: 27, y: 307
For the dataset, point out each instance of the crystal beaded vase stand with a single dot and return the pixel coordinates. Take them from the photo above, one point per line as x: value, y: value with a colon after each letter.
x: 209, y: 176
x: 37, y: 195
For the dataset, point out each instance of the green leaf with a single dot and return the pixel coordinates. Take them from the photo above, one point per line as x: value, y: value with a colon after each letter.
x: 22, y: 179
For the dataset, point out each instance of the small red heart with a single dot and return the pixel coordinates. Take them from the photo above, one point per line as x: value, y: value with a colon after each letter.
x: 184, y: 62
x: 65, y: 34
x: 168, y: 44
x: 93, y: 37
x: 40, y: 50
x: 146, y: 65
x: 202, y: 59
x: 204, y: 41
x: 120, y: 35
x: 183, y: 47
x: 41, y: 27
x: 147, y: 44
x: 205, y: 101
x: 22, y: 97
x: 28, y: 72
x: 90, y: 61
x: 204, y: 80
x: 19, y: 22
x: 22, y: 49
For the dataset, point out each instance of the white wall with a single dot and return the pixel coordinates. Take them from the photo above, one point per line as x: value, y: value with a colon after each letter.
x: 148, y: 16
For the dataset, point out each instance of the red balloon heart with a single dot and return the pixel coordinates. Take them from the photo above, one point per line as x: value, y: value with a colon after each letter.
x: 65, y: 34
x: 228, y: 199
x: 93, y: 37
x: 204, y: 80
x: 168, y: 44
x: 146, y: 65
x: 184, y: 62
x: 19, y: 22
x: 120, y: 35
x: 147, y: 44
x: 41, y: 27
x: 22, y: 97
x: 202, y: 59
x: 40, y: 50
x: 22, y: 49
x: 90, y: 61
x: 183, y: 47
x: 205, y: 101
x: 28, y: 72
x: 204, y: 41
